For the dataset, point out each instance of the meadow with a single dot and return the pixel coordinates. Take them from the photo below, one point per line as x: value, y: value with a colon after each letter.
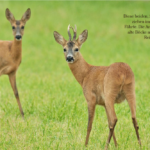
x: 55, y: 109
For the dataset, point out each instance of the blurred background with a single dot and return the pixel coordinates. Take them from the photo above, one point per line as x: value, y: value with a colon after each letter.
x: 54, y: 106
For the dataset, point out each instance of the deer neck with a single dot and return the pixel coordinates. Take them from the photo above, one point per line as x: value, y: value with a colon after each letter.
x: 80, y: 69
x: 16, y: 49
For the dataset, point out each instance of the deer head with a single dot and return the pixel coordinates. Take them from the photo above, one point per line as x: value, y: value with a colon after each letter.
x: 72, y: 46
x: 18, y: 25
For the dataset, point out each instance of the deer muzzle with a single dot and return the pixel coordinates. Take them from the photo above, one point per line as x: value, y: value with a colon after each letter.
x: 70, y: 59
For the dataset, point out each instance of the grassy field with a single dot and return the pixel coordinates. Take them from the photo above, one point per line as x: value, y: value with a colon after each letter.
x: 55, y: 109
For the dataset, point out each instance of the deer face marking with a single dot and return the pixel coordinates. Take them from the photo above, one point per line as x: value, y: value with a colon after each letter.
x: 18, y: 29
x: 71, y: 47
x: 18, y: 25
x: 69, y: 52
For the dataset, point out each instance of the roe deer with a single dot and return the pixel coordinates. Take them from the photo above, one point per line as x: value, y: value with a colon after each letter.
x: 11, y: 51
x: 102, y: 85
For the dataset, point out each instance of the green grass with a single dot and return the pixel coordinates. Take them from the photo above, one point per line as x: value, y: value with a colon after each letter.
x: 53, y: 102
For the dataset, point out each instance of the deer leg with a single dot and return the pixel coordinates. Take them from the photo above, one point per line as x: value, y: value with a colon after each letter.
x: 129, y: 91
x: 12, y: 79
x: 91, y: 112
x: 109, y: 103
x: 131, y: 101
x: 114, y: 138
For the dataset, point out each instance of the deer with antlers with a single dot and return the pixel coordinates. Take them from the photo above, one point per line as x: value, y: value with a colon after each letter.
x: 11, y: 51
x: 102, y: 85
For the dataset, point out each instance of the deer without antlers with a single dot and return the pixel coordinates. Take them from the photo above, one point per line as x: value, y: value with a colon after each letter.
x: 11, y: 51
x: 102, y: 85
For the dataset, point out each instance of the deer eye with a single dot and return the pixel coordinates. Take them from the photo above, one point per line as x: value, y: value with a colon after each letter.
x: 65, y: 50
x: 13, y: 27
x: 22, y: 27
x: 76, y: 49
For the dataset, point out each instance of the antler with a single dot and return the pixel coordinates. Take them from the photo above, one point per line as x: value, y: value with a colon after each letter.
x: 75, y: 32
x: 69, y: 33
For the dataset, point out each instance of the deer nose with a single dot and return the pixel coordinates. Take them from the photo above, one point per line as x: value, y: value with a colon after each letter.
x: 18, y: 37
x: 69, y: 58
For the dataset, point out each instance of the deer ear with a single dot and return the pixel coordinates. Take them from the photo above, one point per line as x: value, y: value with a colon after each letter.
x: 26, y: 15
x: 59, y: 38
x: 82, y: 37
x: 9, y: 15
